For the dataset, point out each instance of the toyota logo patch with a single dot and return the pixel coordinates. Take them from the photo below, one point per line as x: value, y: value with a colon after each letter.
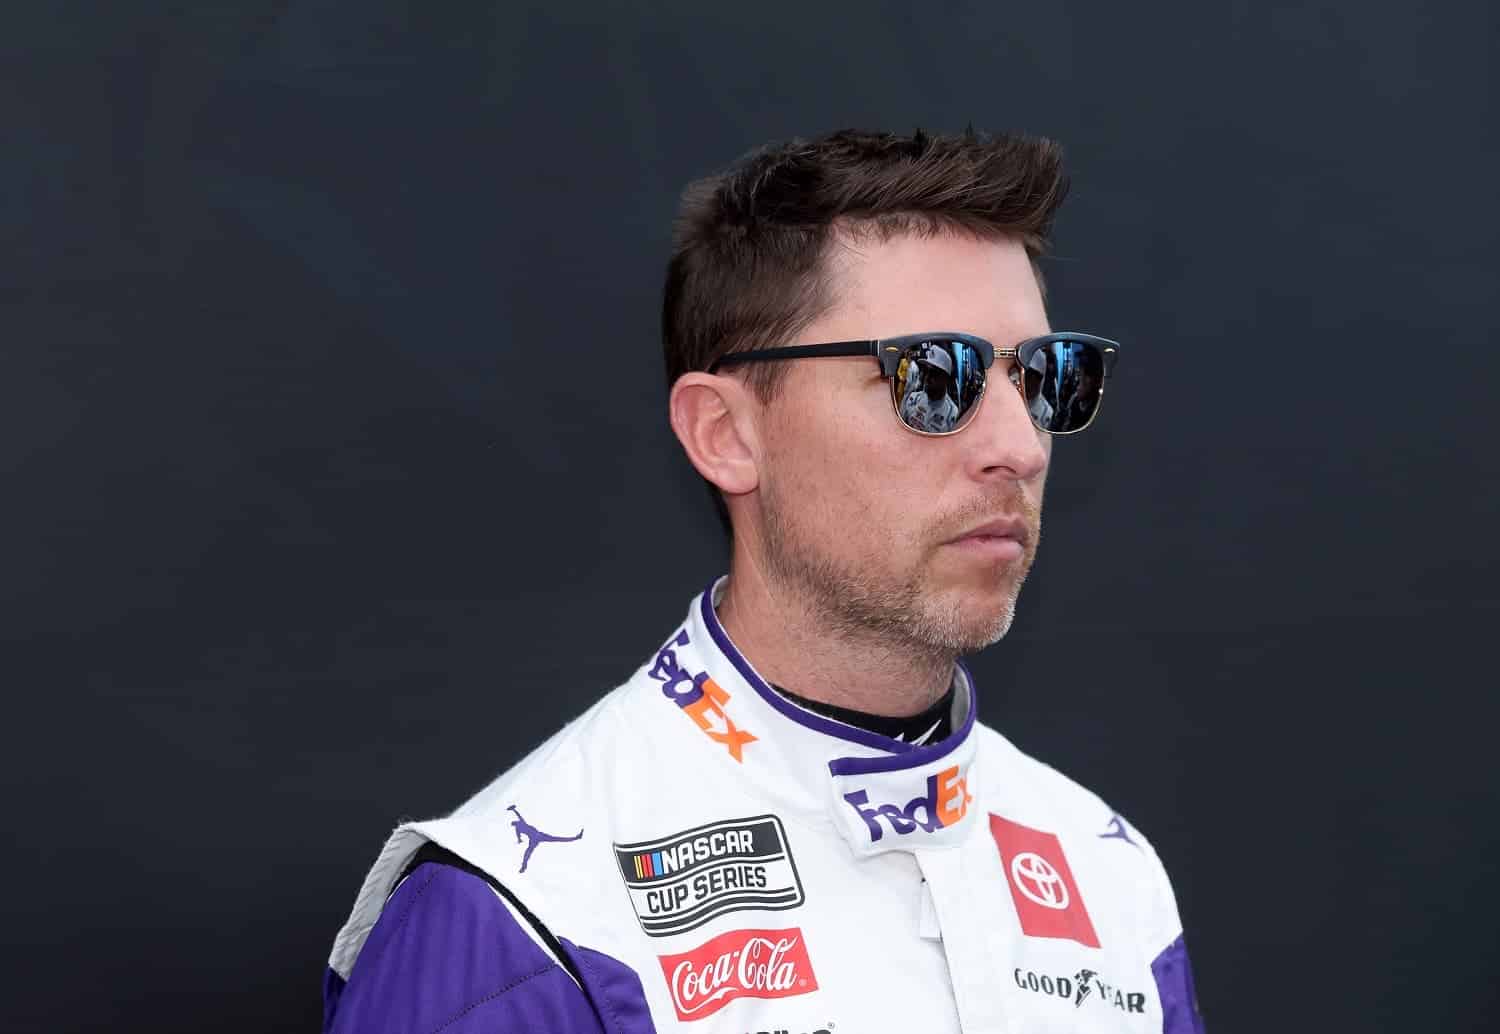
x: 1042, y: 886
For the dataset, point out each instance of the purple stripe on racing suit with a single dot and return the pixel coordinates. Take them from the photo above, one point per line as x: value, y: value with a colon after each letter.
x: 1174, y: 983
x: 448, y: 954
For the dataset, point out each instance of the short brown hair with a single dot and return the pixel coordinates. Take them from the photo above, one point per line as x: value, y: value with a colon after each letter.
x: 748, y: 263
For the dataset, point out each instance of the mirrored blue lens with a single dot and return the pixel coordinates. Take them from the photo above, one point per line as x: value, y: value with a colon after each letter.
x: 1062, y: 381
x: 938, y: 385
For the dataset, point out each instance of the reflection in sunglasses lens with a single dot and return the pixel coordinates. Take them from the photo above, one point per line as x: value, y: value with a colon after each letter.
x: 937, y: 384
x: 1062, y: 381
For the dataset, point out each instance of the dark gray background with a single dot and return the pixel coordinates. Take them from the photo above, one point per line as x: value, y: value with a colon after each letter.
x: 288, y: 555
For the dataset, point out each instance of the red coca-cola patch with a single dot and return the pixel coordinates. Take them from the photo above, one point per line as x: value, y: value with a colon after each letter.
x: 738, y: 964
x: 1041, y: 883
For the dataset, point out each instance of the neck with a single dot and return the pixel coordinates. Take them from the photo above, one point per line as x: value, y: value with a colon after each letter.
x: 790, y: 645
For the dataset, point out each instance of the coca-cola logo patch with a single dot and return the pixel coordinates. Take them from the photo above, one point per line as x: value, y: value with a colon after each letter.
x: 738, y: 964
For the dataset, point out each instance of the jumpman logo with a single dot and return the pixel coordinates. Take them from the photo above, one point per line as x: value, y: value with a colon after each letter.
x: 1117, y: 831
x: 533, y: 836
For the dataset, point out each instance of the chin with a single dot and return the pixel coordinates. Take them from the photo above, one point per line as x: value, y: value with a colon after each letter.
x: 966, y: 622
x: 988, y: 593
x: 992, y: 630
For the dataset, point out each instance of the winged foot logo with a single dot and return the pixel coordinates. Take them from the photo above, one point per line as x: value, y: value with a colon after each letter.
x: 700, y: 697
x: 1081, y: 988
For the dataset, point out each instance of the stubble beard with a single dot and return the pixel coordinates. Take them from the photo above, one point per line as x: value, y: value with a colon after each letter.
x: 896, y: 610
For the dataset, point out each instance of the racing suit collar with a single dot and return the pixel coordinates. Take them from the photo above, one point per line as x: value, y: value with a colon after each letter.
x: 882, y: 794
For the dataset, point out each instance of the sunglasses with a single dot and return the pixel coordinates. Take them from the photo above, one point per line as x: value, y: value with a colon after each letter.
x: 938, y: 380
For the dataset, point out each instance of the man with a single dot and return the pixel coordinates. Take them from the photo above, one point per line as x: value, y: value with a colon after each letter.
x: 928, y: 406
x: 789, y: 818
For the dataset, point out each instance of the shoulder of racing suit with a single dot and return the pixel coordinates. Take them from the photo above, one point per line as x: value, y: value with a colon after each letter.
x: 1144, y: 888
x: 1059, y: 803
x: 450, y: 952
x: 501, y: 869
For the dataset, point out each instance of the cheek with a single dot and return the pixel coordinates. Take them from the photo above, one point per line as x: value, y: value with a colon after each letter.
x: 1041, y: 479
x: 849, y: 472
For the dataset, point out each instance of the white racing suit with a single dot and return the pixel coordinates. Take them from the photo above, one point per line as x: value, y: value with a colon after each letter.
x: 696, y: 853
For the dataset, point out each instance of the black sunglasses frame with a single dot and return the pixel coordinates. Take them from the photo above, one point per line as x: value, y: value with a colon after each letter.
x: 890, y: 350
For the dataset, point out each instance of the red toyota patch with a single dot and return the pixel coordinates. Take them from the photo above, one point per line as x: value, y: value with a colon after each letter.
x: 1046, y: 895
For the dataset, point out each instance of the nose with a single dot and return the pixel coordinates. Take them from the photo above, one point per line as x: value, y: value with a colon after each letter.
x: 1003, y: 442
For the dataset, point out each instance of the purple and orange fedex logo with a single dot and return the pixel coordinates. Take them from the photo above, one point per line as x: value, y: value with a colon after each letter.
x: 700, y: 697
x: 944, y: 804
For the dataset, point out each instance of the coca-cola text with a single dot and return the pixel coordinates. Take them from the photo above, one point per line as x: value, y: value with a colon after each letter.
x: 738, y: 964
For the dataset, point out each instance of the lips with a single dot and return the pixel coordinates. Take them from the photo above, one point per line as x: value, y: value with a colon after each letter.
x: 1013, y: 528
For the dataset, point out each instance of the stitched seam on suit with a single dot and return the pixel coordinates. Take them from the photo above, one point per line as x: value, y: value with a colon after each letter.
x: 406, y: 913
x: 492, y: 996
x: 608, y: 1005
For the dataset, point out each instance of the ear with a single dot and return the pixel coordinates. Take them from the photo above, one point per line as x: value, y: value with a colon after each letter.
x: 712, y: 418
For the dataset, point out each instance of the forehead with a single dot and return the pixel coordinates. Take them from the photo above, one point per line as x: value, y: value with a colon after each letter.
x: 909, y: 284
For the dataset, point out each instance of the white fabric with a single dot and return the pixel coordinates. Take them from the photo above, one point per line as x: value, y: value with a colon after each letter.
x: 922, y: 412
x: 922, y: 930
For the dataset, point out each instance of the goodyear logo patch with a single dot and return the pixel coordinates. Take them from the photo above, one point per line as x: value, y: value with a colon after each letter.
x: 681, y: 881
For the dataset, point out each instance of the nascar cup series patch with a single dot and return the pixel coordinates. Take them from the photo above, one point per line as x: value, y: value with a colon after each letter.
x: 681, y: 881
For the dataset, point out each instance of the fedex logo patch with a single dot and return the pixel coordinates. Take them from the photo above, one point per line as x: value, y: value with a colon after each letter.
x: 1046, y: 896
x: 700, y: 697
x: 946, y: 801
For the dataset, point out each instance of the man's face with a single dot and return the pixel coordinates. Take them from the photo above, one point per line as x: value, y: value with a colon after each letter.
x: 937, y: 383
x: 871, y: 523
